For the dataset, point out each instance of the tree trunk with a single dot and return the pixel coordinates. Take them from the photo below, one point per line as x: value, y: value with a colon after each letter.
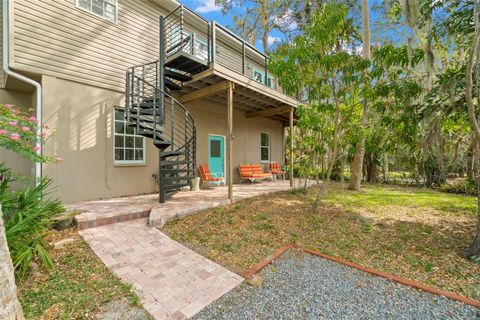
x: 10, y: 308
x: 371, y: 168
x: 474, y: 250
x: 343, y: 159
x: 471, y: 159
x: 357, y: 164
x: 334, y: 152
x: 385, y: 168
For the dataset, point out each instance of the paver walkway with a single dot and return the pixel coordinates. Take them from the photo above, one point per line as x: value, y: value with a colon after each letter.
x: 102, y: 212
x: 173, y: 281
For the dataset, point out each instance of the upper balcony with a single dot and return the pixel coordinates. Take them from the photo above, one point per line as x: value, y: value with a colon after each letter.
x: 214, y: 54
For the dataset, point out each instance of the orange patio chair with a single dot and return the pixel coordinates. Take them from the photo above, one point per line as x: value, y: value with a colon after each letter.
x: 276, y: 169
x: 208, y: 177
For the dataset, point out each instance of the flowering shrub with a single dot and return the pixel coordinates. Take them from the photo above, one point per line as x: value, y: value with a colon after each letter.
x: 20, y: 132
x: 27, y: 212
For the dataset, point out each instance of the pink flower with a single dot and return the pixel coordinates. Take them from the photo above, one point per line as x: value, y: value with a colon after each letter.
x: 44, y: 134
x: 15, y: 136
x: 2, y: 131
x: 25, y: 129
x: 8, y: 106
x: 58, y: 158
x: 33, y: 119
x: 13, y: 123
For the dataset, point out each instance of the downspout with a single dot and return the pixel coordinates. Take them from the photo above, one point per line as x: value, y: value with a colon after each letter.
x: 38, y: 87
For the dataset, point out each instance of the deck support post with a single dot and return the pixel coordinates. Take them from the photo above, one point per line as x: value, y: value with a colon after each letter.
x: 291, y: 147
x: 229, y: 140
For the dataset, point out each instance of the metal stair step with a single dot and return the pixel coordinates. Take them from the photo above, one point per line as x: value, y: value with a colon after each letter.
x: 170, y: 163
x: 148, y: 133
x: 173, y: 74
x: 149, y: 111
x: 147, y: 117
x: 172, y: 85
x: 147, y: 127
x: 167, y: 171
x: 171, y: 153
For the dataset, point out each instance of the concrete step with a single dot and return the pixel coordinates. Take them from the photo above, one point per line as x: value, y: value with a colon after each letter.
x: 98, y: 213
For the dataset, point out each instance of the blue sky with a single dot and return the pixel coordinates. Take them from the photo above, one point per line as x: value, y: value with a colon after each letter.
x: 210, y: 11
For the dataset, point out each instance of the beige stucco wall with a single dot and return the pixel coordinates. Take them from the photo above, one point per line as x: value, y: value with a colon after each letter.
x: 80, y: 117
x: 212, y: 119
x: 23, y: 101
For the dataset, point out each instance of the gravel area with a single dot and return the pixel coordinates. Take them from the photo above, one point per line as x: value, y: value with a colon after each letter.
x: 302, y: 286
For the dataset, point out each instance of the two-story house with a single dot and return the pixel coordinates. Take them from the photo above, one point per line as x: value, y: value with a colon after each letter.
x: 125, y: 84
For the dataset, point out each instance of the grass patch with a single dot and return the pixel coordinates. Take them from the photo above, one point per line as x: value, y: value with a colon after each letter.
x: 378, y: 196
x: 411, y: 232
x: 77, y: 287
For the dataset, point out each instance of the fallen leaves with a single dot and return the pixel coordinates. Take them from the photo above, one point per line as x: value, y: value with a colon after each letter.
x: 405, y: 231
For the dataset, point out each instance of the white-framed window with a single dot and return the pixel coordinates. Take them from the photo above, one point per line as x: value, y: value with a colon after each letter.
x: 107, y: 9
x: 265, y: 147
x: 259, y: 76
x: 128, y: 148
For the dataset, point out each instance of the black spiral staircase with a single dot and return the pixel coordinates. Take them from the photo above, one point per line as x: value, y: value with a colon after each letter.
x: 156, y: 114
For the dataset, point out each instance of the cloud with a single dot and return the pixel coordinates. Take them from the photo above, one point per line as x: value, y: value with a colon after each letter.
x: 206, y: 6
x: 286, y: 22
x: 272, y: 40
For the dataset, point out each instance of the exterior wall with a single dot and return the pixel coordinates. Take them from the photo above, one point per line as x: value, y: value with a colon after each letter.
x: 81, y: 117
x: 57, y: 39
x: 23, y: 101
x: 212, y: 119
x: 82, y: 61
x: 2, y: 76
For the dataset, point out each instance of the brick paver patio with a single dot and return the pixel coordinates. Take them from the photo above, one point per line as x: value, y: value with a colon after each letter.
x: 173, y: 281
x: 102, y: 212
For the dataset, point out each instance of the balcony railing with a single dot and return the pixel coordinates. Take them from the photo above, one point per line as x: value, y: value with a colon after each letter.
x: 188, y: 32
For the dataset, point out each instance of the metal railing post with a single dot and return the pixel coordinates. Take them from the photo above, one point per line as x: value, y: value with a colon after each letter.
x: 127, y: 96
x: 209, y: 42
x: 243, y: 57
x: 266, y: 71
x: 181, y: 27
x: 214, y: 41
x: 192, y: 45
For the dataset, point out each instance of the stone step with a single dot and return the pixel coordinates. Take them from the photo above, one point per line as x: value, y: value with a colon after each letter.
x: 92, y: 214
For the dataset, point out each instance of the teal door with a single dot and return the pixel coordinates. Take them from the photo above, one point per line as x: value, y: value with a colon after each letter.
x: 216, y: 155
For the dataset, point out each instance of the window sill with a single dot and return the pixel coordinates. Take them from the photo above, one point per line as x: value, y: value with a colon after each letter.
x: 129, y: 164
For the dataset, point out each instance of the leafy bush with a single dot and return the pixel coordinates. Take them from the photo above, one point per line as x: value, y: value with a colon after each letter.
x: 27, y: 216
x: 27, y: 213
x: 462, y: 187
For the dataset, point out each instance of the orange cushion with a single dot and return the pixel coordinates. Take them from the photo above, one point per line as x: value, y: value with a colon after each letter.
x: 252, y: 171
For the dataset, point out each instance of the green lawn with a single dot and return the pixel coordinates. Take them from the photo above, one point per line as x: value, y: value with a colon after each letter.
x: 415, y: 233
x: 376, y: 197
x: 76, y: 288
